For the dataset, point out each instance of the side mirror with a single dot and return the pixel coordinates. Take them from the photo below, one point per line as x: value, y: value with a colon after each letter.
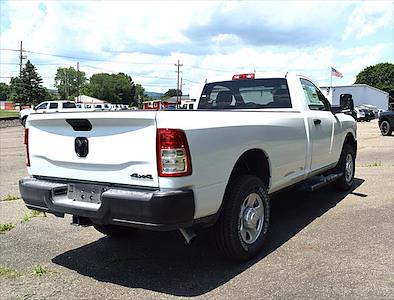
x: 346, y: 102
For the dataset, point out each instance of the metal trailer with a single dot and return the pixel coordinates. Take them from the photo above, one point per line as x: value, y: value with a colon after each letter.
x: 361, y: 93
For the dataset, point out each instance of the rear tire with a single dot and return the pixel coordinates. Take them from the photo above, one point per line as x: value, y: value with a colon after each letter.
x: 346, y: 165
x: 114, y: 230
x: 23, y: 121
x: 243, y: 224
x: 385, y: 128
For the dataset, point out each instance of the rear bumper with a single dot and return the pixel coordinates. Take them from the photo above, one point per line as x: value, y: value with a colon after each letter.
x: 155, y: 210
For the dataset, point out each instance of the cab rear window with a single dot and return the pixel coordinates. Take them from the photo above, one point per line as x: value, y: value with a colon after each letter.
x: 246, y: 94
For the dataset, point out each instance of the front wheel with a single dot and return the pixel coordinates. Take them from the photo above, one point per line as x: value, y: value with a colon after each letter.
x: 385, y: 128
x: 243, y: 225
x: 346, y: 165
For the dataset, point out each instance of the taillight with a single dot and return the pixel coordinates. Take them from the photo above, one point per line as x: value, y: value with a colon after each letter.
x: 27, y: 147
x: 243, y: 76
x: 173, y: 155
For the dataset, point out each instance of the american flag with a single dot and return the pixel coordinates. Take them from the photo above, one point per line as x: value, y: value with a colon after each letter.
x: 336, y: 73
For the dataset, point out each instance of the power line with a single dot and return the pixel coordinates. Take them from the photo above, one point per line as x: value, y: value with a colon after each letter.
x: 134, y: 75
x: 190, y: 80
x: 114, y: 61
x: 87, y: 59
x: 17, y: 76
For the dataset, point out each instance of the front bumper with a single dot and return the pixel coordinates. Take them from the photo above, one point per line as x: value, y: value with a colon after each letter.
x: 155, y: 210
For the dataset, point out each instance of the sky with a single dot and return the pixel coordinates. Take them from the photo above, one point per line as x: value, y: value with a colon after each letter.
x: 145, y: 39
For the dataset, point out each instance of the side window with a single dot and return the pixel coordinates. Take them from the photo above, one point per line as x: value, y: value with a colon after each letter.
x: 68, y: 105
x: 314, y: 98
x: 42, y: 106
x: 52, y: 105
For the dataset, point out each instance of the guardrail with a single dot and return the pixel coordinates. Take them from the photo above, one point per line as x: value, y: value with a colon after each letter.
x: 9, y: 118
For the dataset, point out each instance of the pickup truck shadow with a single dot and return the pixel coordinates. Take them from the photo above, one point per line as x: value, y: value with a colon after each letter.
x: 163, y: 262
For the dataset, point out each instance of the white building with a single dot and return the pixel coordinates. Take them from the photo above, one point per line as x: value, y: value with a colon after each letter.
x: 361, y: 93
x: 88, y: 99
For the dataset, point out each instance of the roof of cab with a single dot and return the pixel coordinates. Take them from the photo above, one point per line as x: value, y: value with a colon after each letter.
x: 258, y: 75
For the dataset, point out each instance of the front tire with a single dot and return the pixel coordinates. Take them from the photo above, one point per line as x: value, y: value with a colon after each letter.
x: 385, y: 128
x: 346, y: 165
x: 243, y: 225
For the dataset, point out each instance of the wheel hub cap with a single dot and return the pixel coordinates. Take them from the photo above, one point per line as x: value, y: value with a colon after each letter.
x: 251, y: 218
x: 349, y: 168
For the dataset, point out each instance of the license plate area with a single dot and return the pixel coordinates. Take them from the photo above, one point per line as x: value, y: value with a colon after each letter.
x: 85, y: 192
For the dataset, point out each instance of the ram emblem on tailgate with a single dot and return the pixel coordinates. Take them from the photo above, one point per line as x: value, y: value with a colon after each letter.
x: 81, y: 146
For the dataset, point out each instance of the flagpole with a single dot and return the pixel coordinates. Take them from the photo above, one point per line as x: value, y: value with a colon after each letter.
x: 331, y: 78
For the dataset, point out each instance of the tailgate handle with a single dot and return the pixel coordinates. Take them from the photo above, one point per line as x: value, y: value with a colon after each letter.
x: 80, y: 124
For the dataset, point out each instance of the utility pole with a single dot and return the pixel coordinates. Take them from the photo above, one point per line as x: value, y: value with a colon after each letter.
x: 21, y: 57
x: 65, y: 84
x: 178, y: 65
x: 78, y: 99
x: 180, y: 90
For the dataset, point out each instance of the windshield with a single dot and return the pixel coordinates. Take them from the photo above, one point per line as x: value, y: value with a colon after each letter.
x: 246, y: 94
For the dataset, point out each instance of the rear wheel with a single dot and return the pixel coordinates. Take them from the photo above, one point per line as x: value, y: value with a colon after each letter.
x: 346, y: 165
x: 23, y: 121
x: 385, y: 128
x: 114, y: 230
x: 243, y: 225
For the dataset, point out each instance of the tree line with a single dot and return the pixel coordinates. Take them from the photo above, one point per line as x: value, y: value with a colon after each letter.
x: 120, y: 88
x: 69, y: 83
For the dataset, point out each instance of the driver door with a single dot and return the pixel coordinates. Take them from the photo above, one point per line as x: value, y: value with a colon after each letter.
x: 323, y: 126
x: 41, y: 108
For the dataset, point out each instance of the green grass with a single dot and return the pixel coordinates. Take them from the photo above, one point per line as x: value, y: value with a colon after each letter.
x: 8, y: 113
x: 8, y: 272
x: 28, y: 216
x: 6, y: 227
x: 11, y: 197
x: 40, y: 270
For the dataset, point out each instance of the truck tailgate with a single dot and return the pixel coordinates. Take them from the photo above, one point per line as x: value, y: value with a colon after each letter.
x: 121, y: 146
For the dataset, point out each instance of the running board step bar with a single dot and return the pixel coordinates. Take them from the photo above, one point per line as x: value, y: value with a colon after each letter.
x: 318, y: 182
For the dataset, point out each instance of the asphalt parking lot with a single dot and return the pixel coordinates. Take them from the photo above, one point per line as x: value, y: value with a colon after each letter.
x: 321, y: 245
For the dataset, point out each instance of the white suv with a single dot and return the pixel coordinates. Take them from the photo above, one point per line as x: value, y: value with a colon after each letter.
x: 44, y: 107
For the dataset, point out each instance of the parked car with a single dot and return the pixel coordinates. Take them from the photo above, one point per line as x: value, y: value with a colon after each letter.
x: 169, y: 170
x: 364, y: 113
x: 102, y: 107
x: 85, y: 106
x: 386, y: 122
x: 372, y: 108
x: 119, y: 106
x: 47, y: 107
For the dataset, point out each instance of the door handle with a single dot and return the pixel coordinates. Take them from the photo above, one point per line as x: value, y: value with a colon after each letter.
x: 317, y: 121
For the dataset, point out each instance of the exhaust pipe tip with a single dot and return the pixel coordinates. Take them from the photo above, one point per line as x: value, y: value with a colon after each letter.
x: 188, y: 234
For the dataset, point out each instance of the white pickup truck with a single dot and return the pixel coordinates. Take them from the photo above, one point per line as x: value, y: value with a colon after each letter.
x: 211, y: 167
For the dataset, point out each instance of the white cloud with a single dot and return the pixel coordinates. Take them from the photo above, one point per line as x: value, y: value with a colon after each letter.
x: 368, y: 17
x: 207, y: 36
